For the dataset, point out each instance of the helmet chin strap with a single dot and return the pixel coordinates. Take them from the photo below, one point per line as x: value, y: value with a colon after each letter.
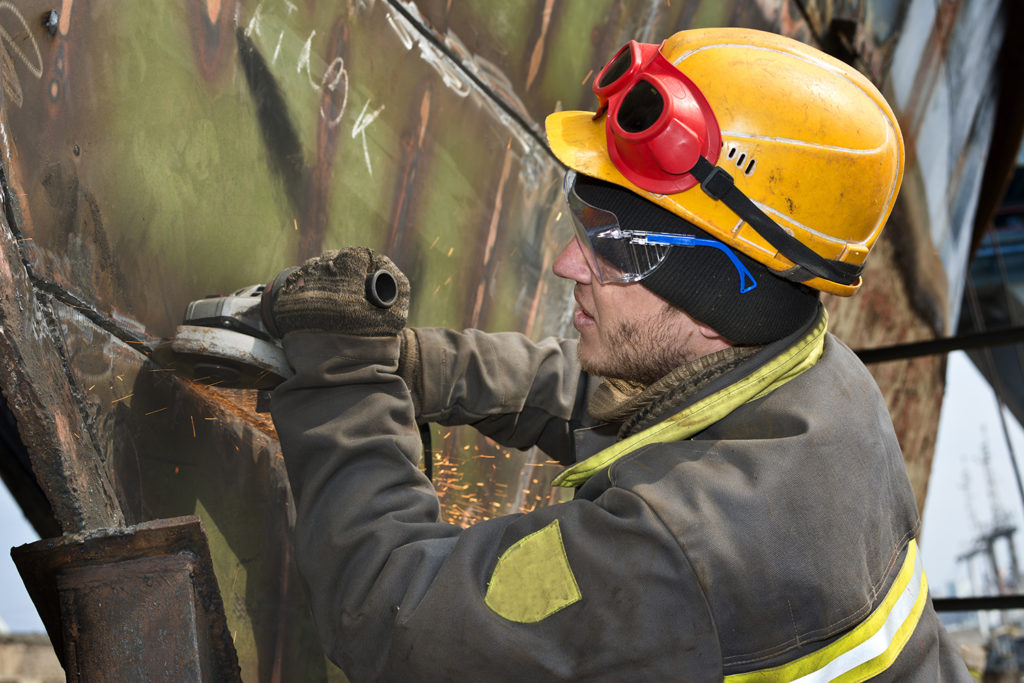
x: 719, y: 185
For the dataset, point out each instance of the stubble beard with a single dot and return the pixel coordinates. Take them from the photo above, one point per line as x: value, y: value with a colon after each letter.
x: 641, y: 352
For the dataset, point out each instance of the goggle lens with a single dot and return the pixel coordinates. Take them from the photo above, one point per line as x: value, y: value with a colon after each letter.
x: 616, y: 68
x: 641, y: 108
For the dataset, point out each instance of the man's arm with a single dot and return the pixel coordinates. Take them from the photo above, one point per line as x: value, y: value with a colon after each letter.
x: 518, y: 392
x: 590, y: 589
x: 582, y: 590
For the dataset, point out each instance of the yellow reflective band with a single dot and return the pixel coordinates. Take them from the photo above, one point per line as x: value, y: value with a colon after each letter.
x: 787, y: 365
x: 868, y: 649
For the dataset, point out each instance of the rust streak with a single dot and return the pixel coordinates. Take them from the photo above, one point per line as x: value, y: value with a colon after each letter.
x: 538, y: 48
x: 492, y: 236
x: 333, y: 101
x: 213, y: 10
x: 531, y: 317
x: 211, y: 36
x: 929, y: 69
x: 64, y: 24
x: 424, y: 118
x: 407, y: 178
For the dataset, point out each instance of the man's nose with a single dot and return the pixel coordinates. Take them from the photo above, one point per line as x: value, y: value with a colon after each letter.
x: 572, y: 264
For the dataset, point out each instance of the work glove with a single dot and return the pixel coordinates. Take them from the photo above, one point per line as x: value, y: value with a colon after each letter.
x: 355, y: 291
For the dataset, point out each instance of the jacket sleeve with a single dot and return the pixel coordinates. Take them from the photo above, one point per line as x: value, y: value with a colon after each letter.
x: 595, y: 590
x: 516, y: 391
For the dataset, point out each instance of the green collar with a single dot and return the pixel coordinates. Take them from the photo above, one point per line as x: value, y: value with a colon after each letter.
x: 792, y: 362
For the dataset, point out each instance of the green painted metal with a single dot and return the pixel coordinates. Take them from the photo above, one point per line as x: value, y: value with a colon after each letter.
x: 157, y: 152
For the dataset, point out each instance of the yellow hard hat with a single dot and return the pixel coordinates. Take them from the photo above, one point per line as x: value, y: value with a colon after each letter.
x: 771, y: 146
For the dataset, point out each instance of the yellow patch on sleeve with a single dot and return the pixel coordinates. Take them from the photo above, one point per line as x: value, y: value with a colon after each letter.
x: 532, y: 579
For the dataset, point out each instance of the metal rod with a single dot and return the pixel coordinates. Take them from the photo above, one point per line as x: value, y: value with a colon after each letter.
x: 996, y: 602
x: 1009, y: 335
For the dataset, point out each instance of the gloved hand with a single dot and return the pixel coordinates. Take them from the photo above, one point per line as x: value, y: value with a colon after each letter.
x: 339, y: 291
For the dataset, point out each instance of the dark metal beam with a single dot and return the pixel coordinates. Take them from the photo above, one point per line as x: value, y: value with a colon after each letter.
x: 998, y: 602
x: 136, y: 603
x: 1009, y: 335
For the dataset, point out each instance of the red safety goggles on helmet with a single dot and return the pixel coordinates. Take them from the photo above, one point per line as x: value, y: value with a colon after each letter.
x: 659, y: 123
x: 663, y: 136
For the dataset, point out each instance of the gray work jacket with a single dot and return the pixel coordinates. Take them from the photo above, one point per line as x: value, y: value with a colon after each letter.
x: 763, y: 531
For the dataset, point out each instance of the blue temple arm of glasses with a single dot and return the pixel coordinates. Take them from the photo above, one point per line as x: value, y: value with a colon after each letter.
x: 747, y: 281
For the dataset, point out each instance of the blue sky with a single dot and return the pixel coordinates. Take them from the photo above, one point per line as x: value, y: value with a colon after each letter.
x: 965, y: 494
x: 16, y: 609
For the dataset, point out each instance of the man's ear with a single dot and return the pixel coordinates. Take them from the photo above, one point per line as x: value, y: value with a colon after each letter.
x: 711, y: 335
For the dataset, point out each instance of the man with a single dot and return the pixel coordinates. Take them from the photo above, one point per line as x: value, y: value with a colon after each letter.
x: 741, y: 508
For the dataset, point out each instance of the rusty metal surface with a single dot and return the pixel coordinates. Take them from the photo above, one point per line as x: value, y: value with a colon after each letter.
x: 49, y: 412
x: 176, y: 448
x: 154, y: 153
x: 136, y: 603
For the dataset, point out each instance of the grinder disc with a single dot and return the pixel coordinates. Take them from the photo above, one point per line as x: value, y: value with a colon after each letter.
x: 209, y: 355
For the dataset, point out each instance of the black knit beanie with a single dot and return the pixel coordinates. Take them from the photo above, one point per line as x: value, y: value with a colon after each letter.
x: 703, y: 282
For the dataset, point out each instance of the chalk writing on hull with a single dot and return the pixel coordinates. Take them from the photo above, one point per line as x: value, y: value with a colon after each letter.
x: 11, y: 17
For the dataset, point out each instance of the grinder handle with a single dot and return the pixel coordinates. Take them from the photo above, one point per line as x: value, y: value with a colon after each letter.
x: 381, y: 289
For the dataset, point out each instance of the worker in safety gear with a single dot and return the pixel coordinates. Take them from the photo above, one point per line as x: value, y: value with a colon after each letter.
x: 741, y: 506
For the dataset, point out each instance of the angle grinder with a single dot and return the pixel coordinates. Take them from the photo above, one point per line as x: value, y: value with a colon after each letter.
x: 231, y: 342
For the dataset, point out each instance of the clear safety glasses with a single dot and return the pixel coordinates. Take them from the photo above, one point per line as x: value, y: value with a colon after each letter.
x: 617, y: 254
